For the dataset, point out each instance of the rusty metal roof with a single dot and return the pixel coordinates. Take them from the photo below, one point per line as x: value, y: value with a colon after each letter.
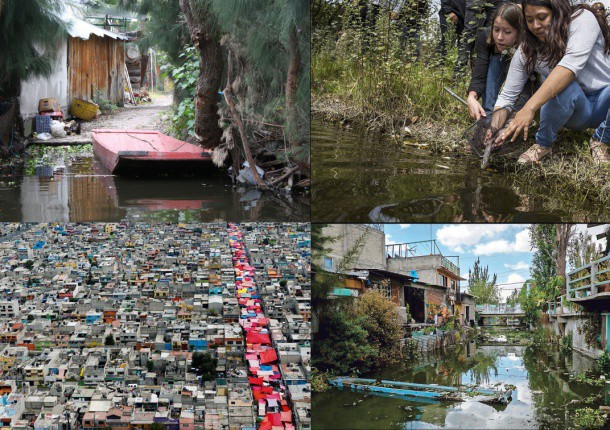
x: 83, y: 30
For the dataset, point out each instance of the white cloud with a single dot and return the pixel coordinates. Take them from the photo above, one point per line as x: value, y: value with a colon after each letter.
x: 521, y: 244
x: 522, y: 241
x: 456, y: 237
x: 515, y: 277
x: 404, y: 226
x: 389, y: 240
x: 521, y: 265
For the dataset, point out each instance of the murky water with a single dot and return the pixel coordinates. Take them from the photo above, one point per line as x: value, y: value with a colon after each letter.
x: 359, y: 178
x: 85, y: 191
x: 542, y: 391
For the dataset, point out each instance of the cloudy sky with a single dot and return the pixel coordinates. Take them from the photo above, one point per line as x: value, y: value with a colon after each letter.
x: 505, y: 248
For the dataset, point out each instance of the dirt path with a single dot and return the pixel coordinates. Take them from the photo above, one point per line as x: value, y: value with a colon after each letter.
x: 147, y: 116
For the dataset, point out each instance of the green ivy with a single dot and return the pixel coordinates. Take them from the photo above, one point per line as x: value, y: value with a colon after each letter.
x: 185, y: 80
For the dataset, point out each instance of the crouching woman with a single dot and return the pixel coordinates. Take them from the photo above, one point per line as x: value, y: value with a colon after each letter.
x: 494, y: 49
x: 569, y: 46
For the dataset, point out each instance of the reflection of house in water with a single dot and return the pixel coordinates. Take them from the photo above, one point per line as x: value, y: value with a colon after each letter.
x: 45, y: 199
x: 427, y: 284
x: 93, y: 202
x: 65, y: 198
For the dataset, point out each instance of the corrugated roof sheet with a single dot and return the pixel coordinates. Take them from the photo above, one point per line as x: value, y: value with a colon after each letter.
x: 83, y: 30
x: 80, y: 28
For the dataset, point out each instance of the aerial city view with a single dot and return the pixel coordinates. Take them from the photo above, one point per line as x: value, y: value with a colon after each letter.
x: 155, y: 326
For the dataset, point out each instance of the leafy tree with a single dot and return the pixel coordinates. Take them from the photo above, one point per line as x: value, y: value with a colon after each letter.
x: 582, y: 250
x: 550, y: 259
x: 109, y: 340
x: 481, y: 286
x: 380, y: 320
x: 513, y: 298
x: 150, y: 366
x: 532, y: 300
x: 341, y: 345
x: 30, y: 32
x: 205, y: 365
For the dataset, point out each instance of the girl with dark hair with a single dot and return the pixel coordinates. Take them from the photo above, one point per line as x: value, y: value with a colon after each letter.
x: 494, y: 49
x: 569, y: 46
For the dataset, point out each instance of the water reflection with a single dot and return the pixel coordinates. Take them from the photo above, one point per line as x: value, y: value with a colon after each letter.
x: 360, y: 178
x: 84, y: 191
x: 542, y: 389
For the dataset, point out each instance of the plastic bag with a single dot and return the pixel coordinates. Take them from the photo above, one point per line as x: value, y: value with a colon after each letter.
x: 57, y: 129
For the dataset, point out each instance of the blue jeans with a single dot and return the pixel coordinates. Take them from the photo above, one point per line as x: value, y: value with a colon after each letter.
x: 575, y: 110
x: 493, y: 84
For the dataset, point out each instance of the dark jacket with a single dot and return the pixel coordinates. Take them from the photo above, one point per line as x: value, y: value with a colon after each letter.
x: 478, y: 82
x: 483, y: 53
x: 458, y: 7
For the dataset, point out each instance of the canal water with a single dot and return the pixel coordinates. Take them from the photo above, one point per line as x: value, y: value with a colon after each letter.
x: 70, y: 185
x: 541, y: 380
x: 364, y: 178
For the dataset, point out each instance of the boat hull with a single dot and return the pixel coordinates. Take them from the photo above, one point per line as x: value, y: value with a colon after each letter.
x: 142, y: 152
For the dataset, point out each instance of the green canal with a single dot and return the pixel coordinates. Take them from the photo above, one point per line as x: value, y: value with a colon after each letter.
x: 546, y: 395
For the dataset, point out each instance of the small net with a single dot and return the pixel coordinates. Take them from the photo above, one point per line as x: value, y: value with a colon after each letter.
x: 485, y: 131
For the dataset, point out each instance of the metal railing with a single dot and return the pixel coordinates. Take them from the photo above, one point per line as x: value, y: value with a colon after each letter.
x: 563, y: 307
x: 450, y: 266
x: 585, y: 281
x: 501, y: 308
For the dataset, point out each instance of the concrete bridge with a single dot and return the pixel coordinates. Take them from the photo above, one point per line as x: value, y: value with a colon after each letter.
x: 500, y: 314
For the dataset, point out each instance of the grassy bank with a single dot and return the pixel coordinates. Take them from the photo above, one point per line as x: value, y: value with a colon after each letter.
x: 365, y: 79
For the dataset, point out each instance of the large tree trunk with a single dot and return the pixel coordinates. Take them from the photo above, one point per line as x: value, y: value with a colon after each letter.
x: 563, y: 233
x: 207, y: 41
x: 291, y: 87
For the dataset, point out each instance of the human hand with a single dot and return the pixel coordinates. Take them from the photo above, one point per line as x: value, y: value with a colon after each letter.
x: 520, y: 123
x: 475, y: 110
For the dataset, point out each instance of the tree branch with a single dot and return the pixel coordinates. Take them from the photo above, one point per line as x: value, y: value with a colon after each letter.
x: 228, y: 93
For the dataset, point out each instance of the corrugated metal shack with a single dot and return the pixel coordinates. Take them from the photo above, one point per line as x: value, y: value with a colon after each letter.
x: 89, y: 57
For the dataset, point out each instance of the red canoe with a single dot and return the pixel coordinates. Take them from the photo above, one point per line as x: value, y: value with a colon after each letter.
x: 148, y: 152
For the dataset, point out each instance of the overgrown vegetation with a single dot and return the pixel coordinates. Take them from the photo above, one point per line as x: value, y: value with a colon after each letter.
x: 105, y: 106
x: 591, y: 328
x: 588, y: 418
x: 363, y: 74
x: 352, y: 335
x: 185, y: 81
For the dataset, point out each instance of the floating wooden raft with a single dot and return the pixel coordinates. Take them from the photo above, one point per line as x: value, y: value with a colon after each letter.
x: 411, y: 389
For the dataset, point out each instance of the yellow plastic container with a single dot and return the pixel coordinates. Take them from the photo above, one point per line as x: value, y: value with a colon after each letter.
x: 83, y: 109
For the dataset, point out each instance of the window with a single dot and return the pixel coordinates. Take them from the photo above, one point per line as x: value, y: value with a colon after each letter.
x: 328, y: 263
x: 442, y: 280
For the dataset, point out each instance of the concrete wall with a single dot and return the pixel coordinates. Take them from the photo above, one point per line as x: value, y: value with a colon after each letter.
x: 372, y: 252
x: 56, y: 85
x: 398, y: 265
x: 425, y: 266
x: 578, y: 340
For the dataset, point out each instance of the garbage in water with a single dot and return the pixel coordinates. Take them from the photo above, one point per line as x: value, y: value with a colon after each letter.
x: 246, y: 176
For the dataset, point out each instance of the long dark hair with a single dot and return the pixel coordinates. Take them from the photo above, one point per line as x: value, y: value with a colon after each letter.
x: 552, y: 53
x: 511, y: 13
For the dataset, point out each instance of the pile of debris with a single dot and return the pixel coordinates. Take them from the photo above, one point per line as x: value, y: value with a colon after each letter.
x: 49, y: 123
